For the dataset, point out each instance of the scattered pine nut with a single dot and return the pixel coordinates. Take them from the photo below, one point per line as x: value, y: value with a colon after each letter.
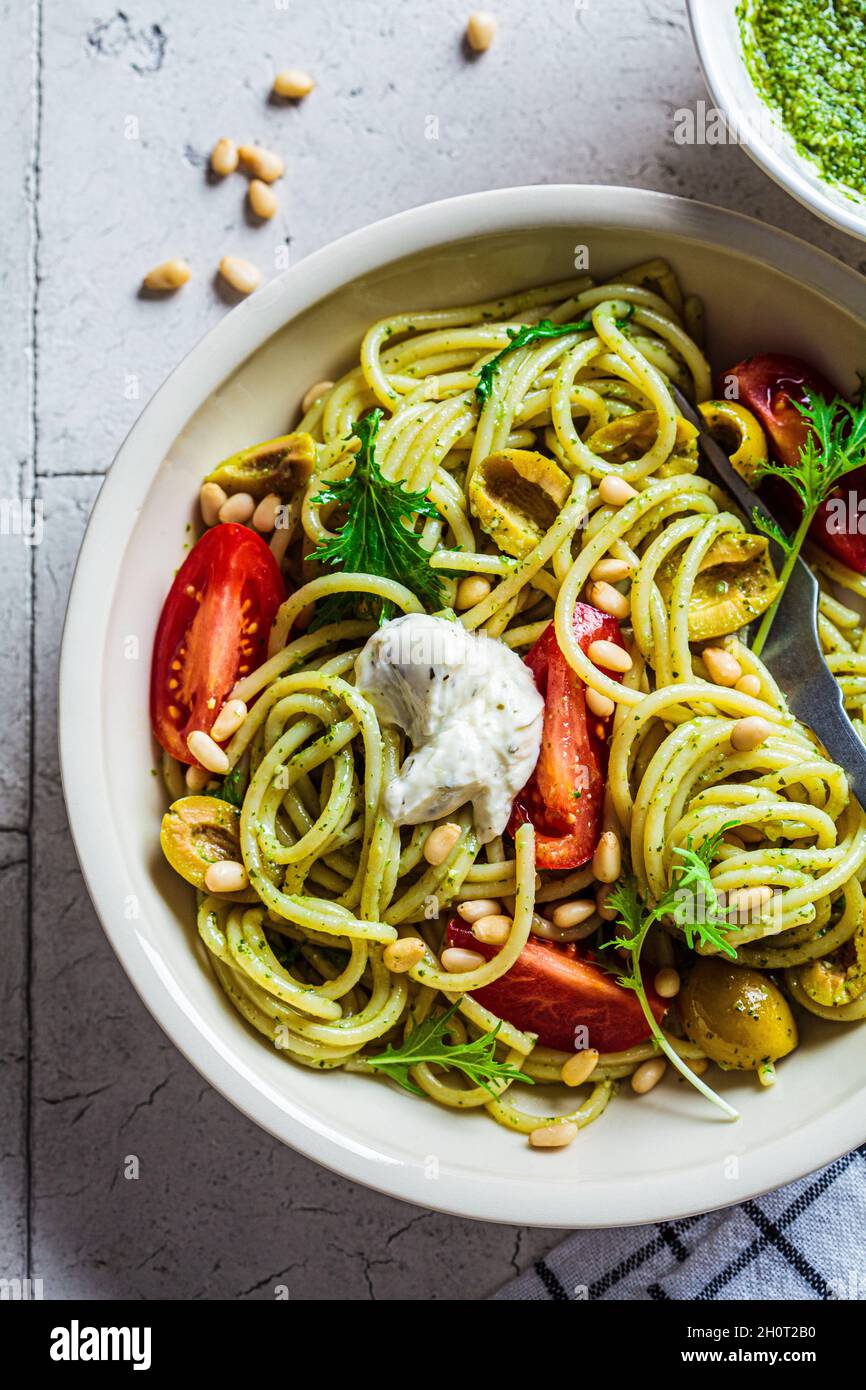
x: 167, y: 276
x: 613, y: 571
x: 493, y: 930
x: 667, y: 983
x: 261, y: 163
x: 555, y: 1136
x: 480, y: 30
x: 476, y: 908
x: 580, y: 1067
x: 242, y: 275
x: 196, y: 779
x: 314, y: 394
x: 224, y: 157
x: 229, y: 720
x: 211, y: 498
x: 440, y: 842
x: 573, y: 913
x: 206, y: 752
x: 226, y: 876
x: 647, y: 1075
x: 749, y: 733
x: 265, y: 514
x: 472, y: 590
x: 400, y: 956
x: 722, y: 668
x: 743, y: 903
x: 600, y: 705
x: 262, y: 199
x: 615, y: 491
x: 607, y: 860
x: 239, y: 507
x: 293, y: 84
x: 605, y: 597
x: 609, y: 656
x: 749, y: 685
x: 455, y: 960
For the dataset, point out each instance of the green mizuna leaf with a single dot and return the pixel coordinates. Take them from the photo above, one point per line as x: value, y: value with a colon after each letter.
x: 524, y: 337
x: 476, y: 1059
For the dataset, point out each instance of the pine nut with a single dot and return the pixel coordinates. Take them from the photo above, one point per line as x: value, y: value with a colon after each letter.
x: 239, y: 507
x: 605, y: 597
x: 480, y: 30
x: 265, y: 514
x: 744, y: 902
x: 168, y: 275
x: 734, y: 841
x: 749, y: 685
x: 206, y: 752
x: 611, y: 570
x: 749, y: 733
x: 607, y: 860
x: 667, y: 983
x: 493, y: 930
x: 647, y: 1075
x: 609, y: 656
x: 400, y: 956
x: 211, y: 498
x: 571, y: 914
x: 196, y: 779
x: 607, y: 914
x: 476, y: 908
x: 227, y: 876
x: 314, y: 394
x: 224, y: 157
x: 555, y: 1136
x: 261, y: 163
x: 472, y: 590
x: 242, y: 275
x: 229, y: 720
x: 455, y: 960
x: 723, y: 669
x: 615, y: 491
x: 440, y: 842
x: 601, y: 705
x: 262, y: 199
x: 699, y: 1065
x: 293, y: 84
x: 580, y: 1067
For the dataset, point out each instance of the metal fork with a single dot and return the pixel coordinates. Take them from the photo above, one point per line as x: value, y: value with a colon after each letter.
x: 793, y: 650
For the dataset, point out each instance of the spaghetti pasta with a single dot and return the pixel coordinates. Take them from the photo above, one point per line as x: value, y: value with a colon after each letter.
x: 333, y: 879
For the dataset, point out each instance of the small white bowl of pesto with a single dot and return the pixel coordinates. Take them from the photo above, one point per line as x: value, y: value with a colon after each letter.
x: 789, y: 77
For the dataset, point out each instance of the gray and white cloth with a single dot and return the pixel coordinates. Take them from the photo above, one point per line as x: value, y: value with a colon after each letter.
x: 805, y: 1241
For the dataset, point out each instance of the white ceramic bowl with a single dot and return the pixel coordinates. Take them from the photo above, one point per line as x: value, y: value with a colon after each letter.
x: 661, y: 1156
x: 717, y: 38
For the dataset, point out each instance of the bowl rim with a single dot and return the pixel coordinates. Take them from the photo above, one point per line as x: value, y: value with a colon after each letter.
x: 784, y: 167
x: 658, y: 1196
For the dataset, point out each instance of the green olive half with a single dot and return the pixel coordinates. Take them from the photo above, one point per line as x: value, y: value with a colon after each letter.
x: 738, y: 1016
x: 280, y: 465
x: 198, y: 831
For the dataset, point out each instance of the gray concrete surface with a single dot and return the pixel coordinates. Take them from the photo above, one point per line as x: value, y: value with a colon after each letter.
x: 107, y: 117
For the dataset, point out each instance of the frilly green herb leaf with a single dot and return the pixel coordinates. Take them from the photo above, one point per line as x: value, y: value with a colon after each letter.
x: 476, y: 1059
x: 523, y: 337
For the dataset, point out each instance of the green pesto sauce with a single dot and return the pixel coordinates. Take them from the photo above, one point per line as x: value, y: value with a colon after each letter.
x: 807, y: 59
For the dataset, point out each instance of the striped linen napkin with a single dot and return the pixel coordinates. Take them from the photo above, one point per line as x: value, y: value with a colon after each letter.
x: 804, y: 1241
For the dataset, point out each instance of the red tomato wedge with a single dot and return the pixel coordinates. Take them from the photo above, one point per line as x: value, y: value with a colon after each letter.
x: 563, y: 797
x: 553, y: 990
x: 769, y: 385
x: 213, y: 629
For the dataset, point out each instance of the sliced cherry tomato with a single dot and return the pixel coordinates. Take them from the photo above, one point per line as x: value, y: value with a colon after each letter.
x: 769, y: 385
x: 213, y: 629
x: 563, y: 797
x: 554, y: 990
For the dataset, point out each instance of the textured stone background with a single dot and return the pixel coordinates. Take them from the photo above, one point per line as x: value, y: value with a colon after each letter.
x: 107, y: 118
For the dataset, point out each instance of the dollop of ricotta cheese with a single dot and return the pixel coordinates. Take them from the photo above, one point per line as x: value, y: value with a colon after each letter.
x: 470, y: 709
